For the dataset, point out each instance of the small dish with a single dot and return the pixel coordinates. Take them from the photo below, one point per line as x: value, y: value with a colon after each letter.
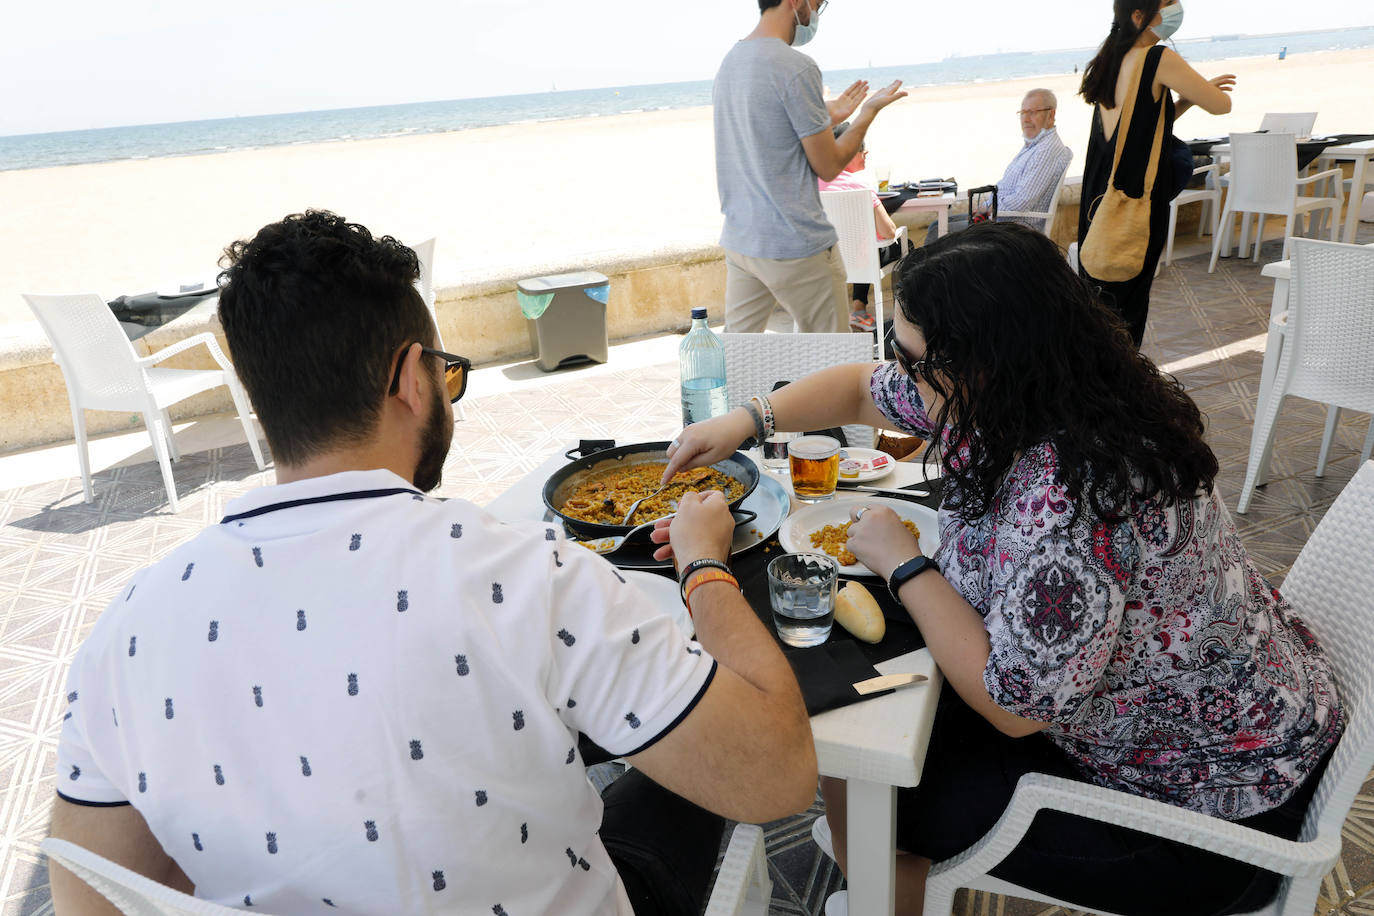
x: 866, y: 457
x: 795, y: 533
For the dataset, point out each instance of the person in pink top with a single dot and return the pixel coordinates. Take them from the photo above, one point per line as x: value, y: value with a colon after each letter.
x: 849, y: 180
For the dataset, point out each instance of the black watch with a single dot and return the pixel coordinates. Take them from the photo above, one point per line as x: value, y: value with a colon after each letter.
x: 908, y: 571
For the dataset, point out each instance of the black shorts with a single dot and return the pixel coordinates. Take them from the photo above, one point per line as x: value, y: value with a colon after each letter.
x: 970, y: 773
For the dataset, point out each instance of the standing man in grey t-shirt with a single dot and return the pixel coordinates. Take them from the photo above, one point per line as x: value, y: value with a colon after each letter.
x: 773, y: 140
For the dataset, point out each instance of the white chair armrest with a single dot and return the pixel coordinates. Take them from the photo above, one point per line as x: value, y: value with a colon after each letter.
x: 1329, y: 173
x: 1030, y: 214
x: 742, y: 882
x: 902, y: 239
x: 1203, y: 169
x: 181, y: 345
x: 1038, y: 791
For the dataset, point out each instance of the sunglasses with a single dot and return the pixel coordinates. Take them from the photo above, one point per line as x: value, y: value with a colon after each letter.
x: 456, y: 369
x: 915, y: 368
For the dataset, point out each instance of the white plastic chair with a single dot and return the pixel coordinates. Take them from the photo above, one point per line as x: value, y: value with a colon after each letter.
x: 1209, y: 196
x: 1048, y: 214
x: 851, y: 213
x: 425, y: 252
x: 1329, y: 587
x: 103, y: 372
x: 742, y: 886
x: 1264, y: 179
x: 1327, y: 350
x: 1297, y: 123
x: 753, y: 362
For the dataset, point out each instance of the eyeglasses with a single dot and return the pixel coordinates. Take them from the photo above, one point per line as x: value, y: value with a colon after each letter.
x: 1030, y: 111
x: 820, y: 7
x: 915, y: 368
x: 456, y: 369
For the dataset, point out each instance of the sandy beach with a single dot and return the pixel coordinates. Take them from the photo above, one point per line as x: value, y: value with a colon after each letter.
x: 568, y: 190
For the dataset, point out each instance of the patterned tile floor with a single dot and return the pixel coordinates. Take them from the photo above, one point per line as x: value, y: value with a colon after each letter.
x: 61, y: 560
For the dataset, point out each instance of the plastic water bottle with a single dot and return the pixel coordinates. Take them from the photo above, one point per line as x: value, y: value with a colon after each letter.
x: 701, y: 362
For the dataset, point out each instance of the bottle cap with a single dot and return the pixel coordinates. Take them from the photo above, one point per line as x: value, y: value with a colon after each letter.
x: 698, y: 311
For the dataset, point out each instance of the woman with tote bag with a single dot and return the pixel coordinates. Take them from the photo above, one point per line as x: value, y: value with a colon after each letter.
x: 1128, y: 179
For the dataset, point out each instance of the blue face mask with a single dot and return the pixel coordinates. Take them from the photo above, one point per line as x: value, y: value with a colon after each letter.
x: 1170, y: 18
x: 805, y: 33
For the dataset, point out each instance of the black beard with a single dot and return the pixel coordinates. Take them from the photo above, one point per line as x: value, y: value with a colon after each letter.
x: 435, y: 440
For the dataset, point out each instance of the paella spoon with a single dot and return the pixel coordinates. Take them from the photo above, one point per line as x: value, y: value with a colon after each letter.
x: 635, y: 505
x: 608, y: 545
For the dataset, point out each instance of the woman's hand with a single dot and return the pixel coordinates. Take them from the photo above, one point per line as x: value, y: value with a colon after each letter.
x: 703, y: 526
x: 1226, y: 82
x: 879, y: 540
x: 708, y: 442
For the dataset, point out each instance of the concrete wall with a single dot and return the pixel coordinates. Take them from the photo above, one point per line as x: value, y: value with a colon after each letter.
x: 479, y: 317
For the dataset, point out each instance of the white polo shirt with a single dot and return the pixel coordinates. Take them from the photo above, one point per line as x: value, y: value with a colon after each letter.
x: 350, y: 697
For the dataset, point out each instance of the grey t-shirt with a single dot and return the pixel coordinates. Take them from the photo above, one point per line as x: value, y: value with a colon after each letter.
x: 767, y: 97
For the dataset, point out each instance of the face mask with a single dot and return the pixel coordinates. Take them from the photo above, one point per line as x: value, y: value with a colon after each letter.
x: 805, y: 33
x: 1171, y: 17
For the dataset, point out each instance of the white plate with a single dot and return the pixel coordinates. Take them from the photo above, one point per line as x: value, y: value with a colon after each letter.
x: 867, y: 454
x: 664, y: 593
x: 795, y: 533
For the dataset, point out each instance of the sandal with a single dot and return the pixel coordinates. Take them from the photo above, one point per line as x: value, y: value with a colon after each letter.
x: 861, y: 321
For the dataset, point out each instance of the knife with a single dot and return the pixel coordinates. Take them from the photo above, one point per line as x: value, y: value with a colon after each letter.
x: 909, y: 494
x: 886, y: 682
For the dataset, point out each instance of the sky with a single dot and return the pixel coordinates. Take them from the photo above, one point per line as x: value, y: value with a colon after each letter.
x: 84, y: 64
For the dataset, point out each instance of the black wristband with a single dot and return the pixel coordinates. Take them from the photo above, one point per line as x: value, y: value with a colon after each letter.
x: 908, y: 571
x: 700, y: 563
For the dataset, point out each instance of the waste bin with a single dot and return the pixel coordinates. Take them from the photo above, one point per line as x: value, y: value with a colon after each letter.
x: 565, y: 315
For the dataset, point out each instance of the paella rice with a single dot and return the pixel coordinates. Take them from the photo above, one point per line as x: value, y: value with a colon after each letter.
x: 833, y: 538
x: 606, y: 496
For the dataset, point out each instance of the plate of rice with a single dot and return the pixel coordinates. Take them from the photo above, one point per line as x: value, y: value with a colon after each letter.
x: 823, y: 528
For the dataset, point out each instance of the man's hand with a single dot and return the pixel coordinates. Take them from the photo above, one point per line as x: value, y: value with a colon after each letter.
x: 884, y: 97
x: 880, y: 540
x: 842, y: 107
x: 702, y: 527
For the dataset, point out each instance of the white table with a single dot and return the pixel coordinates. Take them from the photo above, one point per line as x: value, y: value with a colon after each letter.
x: 941, y: 205
x: 877, y: 745
x: 1361, y: 154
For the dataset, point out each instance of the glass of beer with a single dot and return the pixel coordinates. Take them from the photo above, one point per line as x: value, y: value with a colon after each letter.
x: 815, y: 464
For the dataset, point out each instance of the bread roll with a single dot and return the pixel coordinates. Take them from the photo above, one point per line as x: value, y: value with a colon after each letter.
x: 857, y: 611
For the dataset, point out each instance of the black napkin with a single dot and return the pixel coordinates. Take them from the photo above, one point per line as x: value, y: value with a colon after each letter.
x: 827, y: 674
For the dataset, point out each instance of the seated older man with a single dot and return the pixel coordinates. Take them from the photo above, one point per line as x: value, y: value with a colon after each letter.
x: 1034, y: 172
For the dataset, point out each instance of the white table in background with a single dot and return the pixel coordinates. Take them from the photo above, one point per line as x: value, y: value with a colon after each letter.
x: 876, y: 746
x: 941, y: 205
x: 1361, y: 154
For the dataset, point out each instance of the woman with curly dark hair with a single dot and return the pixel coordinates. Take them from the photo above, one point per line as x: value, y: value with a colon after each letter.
x: 1091, y: 605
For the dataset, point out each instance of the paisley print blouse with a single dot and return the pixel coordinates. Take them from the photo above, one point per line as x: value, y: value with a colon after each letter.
x: 1164, y: 662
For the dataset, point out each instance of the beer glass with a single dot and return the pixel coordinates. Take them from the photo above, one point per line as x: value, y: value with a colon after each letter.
x: 815, y: 464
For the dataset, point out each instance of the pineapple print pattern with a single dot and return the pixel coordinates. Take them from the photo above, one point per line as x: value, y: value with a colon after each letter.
x: 481, y: 796
x: 557, y: 562
x: 632, y: 719
x: 272, y: 843
x: 305, y: 766
x: 634, y: 637
x: 75, y: 774
x: 496, y: 596
x: 214, y: 631
x: 167, y: 708
x: 257, y: 556
x: 300, y: 620
x: 415, y: 752
x: 143, y: 782
x: 355, y: 542
x: 460, y: 663
x: 195, y: 841
x: 133, y: 645
x: 439, y: 882
x: 402, y: 601
x: 456, y: 532
x: 498, y: 910
x: 257, y: 697
x: 186, y: 575
x: 519, y: 717
x: 549, y: 535
x: 353, y: 685
x: 568, y: 638
x: 572, y: 755
x: 370, y: 829
x: 524, y: 833
x: 219, y: 775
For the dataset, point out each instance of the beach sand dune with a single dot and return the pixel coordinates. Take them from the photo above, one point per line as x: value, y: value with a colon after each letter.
x: 499, y: 198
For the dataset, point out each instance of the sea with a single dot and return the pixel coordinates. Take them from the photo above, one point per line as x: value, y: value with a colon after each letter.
x: 192, y: 138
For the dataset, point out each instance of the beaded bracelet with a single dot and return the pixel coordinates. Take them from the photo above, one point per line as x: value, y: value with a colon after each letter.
x: 709, y: 575
x: 692, y: 567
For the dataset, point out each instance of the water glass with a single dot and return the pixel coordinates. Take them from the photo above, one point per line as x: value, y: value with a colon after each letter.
x: 773, y: 451
x: 815, y: 464
x: 801, y: 589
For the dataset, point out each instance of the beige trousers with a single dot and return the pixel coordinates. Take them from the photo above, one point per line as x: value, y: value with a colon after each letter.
x: 811, y: 290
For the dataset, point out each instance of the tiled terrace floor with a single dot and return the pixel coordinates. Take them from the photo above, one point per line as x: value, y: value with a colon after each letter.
x: 62, y: 560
